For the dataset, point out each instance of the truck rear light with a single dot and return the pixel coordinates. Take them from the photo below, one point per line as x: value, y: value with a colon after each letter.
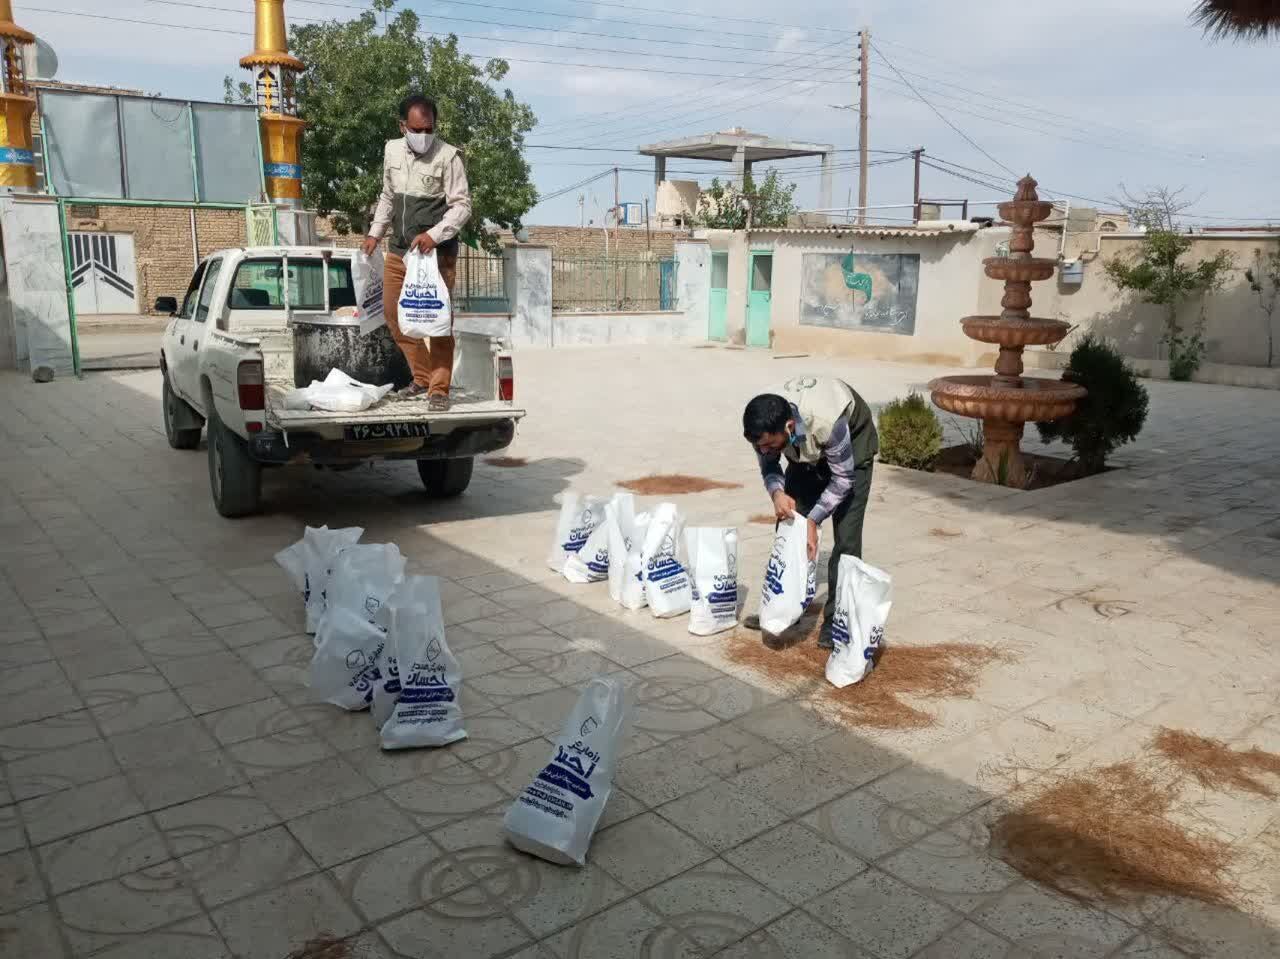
x: 506, y: 379
x: 253, y: 427
x: 250, y: 387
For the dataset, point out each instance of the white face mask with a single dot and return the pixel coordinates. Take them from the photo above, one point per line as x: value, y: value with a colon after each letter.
x: 419, y: 143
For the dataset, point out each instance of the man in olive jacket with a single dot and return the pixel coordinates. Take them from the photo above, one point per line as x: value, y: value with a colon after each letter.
x: 425, y: 202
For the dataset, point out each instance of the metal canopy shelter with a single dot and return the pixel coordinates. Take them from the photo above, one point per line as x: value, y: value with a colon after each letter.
x: 742, y: 149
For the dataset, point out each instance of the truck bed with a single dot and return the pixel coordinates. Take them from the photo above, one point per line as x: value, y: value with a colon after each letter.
x: 463, y: 410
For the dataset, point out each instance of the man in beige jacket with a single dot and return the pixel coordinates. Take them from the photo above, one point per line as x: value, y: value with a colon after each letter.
x: 425, y: 202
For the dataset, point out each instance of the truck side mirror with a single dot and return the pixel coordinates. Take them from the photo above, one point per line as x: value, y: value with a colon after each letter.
x: 166, y: 305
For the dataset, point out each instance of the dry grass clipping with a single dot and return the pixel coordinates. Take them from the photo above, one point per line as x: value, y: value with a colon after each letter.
x: 944, y: 533
x: 764, y: 519
x: 939, y: 671
x: 508, y: 462
x: 325, y: 947
x: 1105, y: 834
x: 1215, y: 765
x: 669, y: 484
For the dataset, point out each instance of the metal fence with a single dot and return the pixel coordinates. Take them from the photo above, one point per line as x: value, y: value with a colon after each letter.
x: 597, y: 284
x: 480, y: 285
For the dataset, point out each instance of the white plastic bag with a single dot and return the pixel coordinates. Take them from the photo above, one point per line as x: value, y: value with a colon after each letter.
x: 633, y: 592
x: 713, y: 566
x: 344, y: 669
x: 338, y: 393
x: 591, y: 563
x: 579, y: 517
x: 790, y: 580
x: 424, y: 308
x: 620, y: 522
x: 386, y: 691
x: 363, y: 578
x: 864, y: 596
x: 667, y: 588
x: 309, y: 562
x: 428, y: 712
x: 557, y: 813
x: 366, y: 281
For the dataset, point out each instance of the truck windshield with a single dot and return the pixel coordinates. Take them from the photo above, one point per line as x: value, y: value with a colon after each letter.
x: 259, y: 284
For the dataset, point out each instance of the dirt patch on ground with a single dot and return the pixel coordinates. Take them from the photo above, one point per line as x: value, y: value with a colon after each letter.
x: 1214, y: 764
x: 764, y: 519
x: 1045, y: 471
x: 325, y: 947
x: 507, y: 462
x: 670, y: 484
x: 939, y: 671
x: 1106, y: 834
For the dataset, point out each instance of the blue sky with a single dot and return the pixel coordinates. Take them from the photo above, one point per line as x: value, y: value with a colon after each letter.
x: 1085, y: 95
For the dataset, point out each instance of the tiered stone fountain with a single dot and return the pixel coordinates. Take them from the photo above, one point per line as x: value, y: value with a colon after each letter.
x: 1007, y: 401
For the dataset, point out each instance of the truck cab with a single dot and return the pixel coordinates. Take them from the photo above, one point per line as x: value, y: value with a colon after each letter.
x: 257, y: 323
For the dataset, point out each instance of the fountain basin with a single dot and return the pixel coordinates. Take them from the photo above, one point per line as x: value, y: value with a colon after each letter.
x: 1025, y: 211
x: 1014, y: 332
x: 1035, y: 401
x: 1019, y: 269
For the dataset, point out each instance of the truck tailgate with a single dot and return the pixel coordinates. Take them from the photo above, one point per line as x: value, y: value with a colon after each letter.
x: 462, y: 412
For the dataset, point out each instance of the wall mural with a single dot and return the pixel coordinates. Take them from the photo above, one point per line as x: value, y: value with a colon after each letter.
x: 860, y: 291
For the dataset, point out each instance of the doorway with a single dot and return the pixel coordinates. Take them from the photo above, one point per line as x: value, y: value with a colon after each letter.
x: 759, y: 297
x: 103, y: 273
x: 718, y: 318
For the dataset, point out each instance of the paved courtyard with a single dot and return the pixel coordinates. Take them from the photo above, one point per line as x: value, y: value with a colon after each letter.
x: 170, y: 791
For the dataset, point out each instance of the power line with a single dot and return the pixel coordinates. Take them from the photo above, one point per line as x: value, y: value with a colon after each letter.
x: 555, y: 194
x: 968, y: 139
x: 565, y: 16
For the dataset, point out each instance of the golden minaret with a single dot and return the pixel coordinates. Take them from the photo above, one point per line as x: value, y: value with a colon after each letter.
x: 275, y: 74
x: 17, y: 163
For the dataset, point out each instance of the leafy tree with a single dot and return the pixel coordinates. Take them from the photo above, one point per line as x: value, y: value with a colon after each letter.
x: 1157, y: 272
x: 350, y: 95
x: 1238, y: 19
x: 1111, y: 415
x: 236, y: 91
x: 724, y: 206
x: 1264, y: 280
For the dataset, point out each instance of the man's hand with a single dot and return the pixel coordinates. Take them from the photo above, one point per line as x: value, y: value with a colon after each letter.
x: 813, y: 540
x: 784, y: 507
x: 369, y: 245
x: 422, y: 243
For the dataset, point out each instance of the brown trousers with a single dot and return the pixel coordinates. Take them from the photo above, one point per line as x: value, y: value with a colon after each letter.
x: 430, y: 360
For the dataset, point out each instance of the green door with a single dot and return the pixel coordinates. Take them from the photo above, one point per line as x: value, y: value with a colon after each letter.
x: 759, y: 299
x: 718, y: 324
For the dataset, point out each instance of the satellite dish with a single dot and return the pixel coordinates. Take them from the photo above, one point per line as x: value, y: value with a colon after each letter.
x: 40, y: 61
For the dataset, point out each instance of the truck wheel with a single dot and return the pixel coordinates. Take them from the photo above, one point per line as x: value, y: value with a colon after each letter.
x: 175, y: 410
x: 234, y: 477
x: 446, y: 478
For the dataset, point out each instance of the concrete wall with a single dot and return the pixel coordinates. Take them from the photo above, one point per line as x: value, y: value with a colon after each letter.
x: 562, y: 240
x: 35, y: 285
x: 950, y: 276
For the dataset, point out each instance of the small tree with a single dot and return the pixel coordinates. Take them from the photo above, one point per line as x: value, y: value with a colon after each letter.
x: 1111, y: 415
x: 1264, y: 280
x: 1157, y: 273
x: 724, y: 205
x: 236, y: 91
x: 910, y: 434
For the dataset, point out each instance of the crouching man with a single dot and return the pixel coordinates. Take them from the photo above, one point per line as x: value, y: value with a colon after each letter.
x: 827, y: 434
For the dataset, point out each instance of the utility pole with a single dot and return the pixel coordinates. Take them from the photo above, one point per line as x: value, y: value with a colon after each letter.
x: 617, y: 220
x: 864, y: 85
x: 915, y: 156
x: 582, y: 212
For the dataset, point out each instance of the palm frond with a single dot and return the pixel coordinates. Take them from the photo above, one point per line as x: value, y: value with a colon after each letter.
x: 1248, y: 20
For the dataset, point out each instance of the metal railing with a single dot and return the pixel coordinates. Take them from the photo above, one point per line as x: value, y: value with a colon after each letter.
x: 480, y: 285
x: 614, y: 284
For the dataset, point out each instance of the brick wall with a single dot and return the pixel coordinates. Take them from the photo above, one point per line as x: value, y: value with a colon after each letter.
x: 162, y: 241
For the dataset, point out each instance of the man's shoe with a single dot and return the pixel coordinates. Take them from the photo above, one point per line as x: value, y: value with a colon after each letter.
x: 825, y: 642
x: 438, y: 404
x: 411, y: 392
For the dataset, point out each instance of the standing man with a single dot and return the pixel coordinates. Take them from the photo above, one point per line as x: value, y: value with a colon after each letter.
x: 827, y: 434
x: 425, y: 201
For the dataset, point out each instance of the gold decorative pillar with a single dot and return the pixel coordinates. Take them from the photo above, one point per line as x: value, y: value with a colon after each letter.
x: 17, y: 104
x: 275, y: 74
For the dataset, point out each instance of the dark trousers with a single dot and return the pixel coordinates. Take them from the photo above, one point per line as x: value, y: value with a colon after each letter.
x: 805, y: 483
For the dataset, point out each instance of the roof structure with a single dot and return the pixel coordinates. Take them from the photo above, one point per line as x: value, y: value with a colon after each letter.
x: 727, y: 145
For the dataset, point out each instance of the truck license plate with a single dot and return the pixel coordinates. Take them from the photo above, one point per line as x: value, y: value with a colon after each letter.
x: 386, y: 431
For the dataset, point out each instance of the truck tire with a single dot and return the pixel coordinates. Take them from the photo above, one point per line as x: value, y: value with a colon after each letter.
x: 446, y: 478
x: 234, y: 477
x: 176, y: 409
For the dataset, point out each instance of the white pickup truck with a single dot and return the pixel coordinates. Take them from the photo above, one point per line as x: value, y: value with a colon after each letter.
x: 256, y: 323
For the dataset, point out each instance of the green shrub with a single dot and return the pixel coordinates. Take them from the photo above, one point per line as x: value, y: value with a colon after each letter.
x: 1110, y: 416
x: 910, y: 434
